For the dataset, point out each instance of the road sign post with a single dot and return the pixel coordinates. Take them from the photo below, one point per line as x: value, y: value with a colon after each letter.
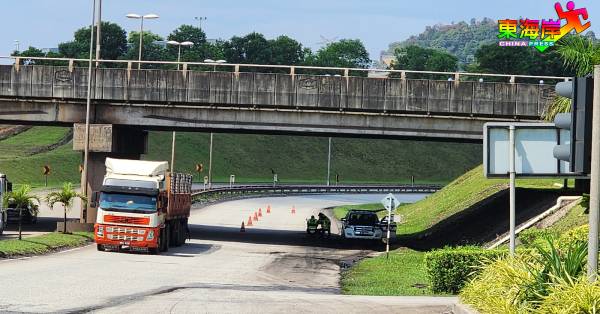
x: 205, y: 182
x: 390, y: 202
x: 46, y: 172
x: 231, y: 180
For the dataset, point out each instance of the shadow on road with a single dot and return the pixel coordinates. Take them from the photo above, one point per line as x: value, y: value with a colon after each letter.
x: 279, y: 237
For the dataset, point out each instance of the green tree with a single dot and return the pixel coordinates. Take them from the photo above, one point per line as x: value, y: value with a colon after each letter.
x: 22, y: 199
x: 424, y: 59
x: 346, y: 53
x: 195, y: 53
x: 150, y: 50
x: 252, y: 48
x: 113, y: 43
x: 286, y: 51
x: 35, y: 52
x: 65, y: 196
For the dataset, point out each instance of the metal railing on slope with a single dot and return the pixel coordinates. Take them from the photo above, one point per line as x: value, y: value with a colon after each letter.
x: 259, y: 190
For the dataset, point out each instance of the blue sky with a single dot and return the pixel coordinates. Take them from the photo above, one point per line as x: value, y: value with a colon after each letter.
x: 45, y: 23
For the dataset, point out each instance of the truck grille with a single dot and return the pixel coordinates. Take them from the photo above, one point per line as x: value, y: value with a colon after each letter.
x: 127, y: 220
x: 125, y: 230
x: 124, y: 237
x: 359, y: 230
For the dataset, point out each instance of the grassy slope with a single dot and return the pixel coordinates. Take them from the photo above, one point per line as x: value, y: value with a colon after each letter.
x: 251, y: 157
x: 461, y: 193
x: 406, y: 268
x: 43, y: 244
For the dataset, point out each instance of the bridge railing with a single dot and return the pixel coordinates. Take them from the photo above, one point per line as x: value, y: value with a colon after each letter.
x: 347, y: 93
x: 289, y: 69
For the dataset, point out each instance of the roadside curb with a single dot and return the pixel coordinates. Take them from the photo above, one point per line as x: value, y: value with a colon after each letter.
x: 459, y: 308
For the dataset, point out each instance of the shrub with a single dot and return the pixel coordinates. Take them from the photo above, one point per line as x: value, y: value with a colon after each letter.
x: 572, y: 296
x: 499, y: 287
x: 578, y: 234
x: 531, y: 236
x: 449, y: 269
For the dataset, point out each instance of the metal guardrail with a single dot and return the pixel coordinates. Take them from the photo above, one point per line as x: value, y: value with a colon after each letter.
x: 237, y: 191
x: 236, y: 68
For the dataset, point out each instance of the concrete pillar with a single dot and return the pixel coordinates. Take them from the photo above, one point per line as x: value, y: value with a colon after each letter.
x: 107, y: 140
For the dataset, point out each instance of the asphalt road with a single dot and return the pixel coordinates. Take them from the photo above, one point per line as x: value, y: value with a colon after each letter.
x: 271, y: 268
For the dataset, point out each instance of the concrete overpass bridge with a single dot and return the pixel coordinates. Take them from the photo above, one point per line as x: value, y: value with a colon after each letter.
x: 126, y: 102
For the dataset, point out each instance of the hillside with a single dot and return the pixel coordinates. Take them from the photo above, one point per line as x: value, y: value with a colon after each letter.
x: 251, y: 157
x: 460, y: 39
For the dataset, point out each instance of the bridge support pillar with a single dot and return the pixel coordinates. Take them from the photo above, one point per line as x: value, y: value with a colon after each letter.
x: 106, y: 140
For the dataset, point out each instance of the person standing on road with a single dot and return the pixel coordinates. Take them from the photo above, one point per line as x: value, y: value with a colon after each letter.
x: 311, y: 224
x: 325, y: 225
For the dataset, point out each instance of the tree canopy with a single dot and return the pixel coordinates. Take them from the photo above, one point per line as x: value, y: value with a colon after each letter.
x: 418, y: 58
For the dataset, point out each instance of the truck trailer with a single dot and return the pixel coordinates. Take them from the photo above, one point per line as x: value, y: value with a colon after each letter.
x: 141, y: 206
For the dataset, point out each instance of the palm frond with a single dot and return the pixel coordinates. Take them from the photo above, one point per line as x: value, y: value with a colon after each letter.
x: 578, y: 53
x: 558, y: 105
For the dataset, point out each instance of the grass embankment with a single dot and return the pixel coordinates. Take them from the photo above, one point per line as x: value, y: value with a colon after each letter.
x: 251, y: 158
x: 43, y: 244
x: 460, y: 194
x: 406, y: 268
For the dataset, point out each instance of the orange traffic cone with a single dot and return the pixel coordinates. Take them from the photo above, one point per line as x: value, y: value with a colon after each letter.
x: 260, y: 212
x: 293, y: 209
x: 243, y: 229
x: 249, y: 221
x: 255, y: 216
x: 268, y: 209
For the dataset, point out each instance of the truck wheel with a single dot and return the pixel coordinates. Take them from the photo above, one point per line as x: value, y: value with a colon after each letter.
x: 153, y: 251
x: 174, y: 236
x: 165, y: 238
x: 100, y: 247
x: 181, y: 233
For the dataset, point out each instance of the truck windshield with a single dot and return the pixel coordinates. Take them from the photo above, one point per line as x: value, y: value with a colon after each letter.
x: 127, y: 202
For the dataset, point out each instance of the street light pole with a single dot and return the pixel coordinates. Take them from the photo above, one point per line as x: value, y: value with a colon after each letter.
x: 178, y: 44
x: 86, y: 146
x: 141, y: 43
x: 98, y: 33
x: 142, y: 18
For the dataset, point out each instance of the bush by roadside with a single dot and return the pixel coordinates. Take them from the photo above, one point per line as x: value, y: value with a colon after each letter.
x: 43, y: 244
x: 449, y: 269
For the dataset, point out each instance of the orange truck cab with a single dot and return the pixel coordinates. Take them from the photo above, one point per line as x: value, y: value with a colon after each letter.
x: 141, y: 206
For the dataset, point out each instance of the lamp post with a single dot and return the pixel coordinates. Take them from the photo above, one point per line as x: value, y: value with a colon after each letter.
x: 141, y: 18
x: 329, y: 162
x: 86, y: 146
x: 17, y: 45
x: 178, y: 44
x: 220, y: 61
x: 200, y: 19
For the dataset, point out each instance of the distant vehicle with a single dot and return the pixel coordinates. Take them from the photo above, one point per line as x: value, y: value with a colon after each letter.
x: 5, y: 186
x: 141, y: 206
x: 364, y: 224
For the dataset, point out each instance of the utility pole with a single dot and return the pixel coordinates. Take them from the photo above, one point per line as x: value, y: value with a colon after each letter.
x: 329, y: 162
x: 512, y: 173
x: 98, y: 33
x: 210, y: 153
x: 594, y: 215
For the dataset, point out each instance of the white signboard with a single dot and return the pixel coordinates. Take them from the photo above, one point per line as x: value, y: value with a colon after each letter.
x: 534, y: 143
x: 390, y: 202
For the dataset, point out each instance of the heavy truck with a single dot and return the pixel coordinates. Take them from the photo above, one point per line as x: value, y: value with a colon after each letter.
x: 141, y: 206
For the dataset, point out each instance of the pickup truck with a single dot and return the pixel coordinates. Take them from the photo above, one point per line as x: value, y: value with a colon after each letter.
x: 364, y: 224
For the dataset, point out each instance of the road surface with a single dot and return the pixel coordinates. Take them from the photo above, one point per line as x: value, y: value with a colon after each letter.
x: 271, y: 268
